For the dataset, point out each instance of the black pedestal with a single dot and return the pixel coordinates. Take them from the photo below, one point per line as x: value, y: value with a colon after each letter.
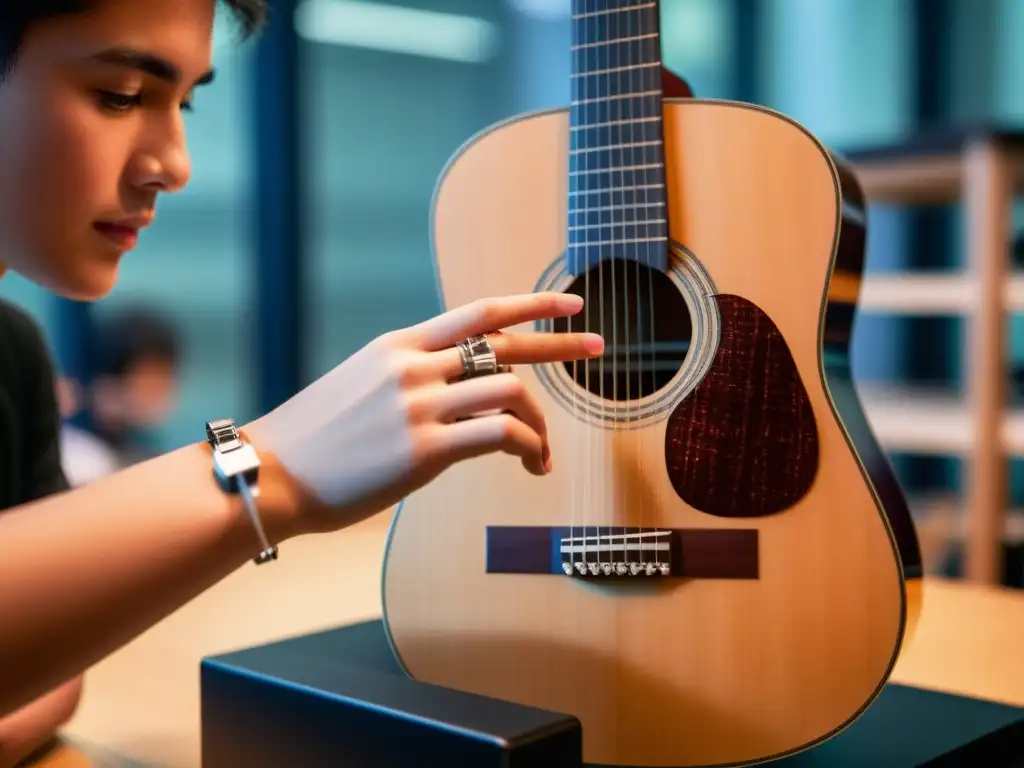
x: 338, y: 698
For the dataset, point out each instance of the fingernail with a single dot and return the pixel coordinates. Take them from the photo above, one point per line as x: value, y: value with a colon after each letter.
x: 570, y: 302
x: 593, y: 343
x: 547, y: 465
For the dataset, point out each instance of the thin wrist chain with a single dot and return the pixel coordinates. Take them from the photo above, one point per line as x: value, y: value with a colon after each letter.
x: 236, y: 467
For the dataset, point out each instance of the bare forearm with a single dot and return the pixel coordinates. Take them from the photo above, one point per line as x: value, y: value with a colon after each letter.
x: 26, y: 730
x: 84, y: 572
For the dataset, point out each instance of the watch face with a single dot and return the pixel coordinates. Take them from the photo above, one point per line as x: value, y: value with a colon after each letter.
x: 221, y: 431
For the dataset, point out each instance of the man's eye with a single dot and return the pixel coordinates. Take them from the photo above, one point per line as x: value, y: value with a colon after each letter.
x: 119, y: 102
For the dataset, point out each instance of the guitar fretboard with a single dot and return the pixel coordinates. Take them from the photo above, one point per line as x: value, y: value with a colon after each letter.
x: 616, y: 165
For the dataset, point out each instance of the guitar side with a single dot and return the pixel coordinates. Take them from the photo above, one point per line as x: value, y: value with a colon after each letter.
x: 700, y: 671
x: 837, y: 321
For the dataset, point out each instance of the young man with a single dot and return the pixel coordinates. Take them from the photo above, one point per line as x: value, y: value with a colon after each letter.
x: 29, y: 469
x: 91, y: 133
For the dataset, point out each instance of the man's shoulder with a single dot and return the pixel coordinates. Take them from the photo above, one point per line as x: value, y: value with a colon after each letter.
x: 29, y: 419
x: 16, y: 321
x: 24, y: 346
x: 27, y: 376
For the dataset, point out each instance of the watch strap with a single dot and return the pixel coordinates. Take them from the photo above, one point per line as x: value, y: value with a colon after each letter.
x: 236, y: 466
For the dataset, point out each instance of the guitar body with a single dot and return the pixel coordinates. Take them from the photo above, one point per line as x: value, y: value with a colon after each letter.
x: 795, y: 565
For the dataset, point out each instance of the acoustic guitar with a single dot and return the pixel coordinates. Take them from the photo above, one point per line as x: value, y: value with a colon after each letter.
x: 721, y: 568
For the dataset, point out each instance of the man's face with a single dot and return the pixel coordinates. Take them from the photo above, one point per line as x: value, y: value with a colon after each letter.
x: 149, y: 392
x: 88, y: 139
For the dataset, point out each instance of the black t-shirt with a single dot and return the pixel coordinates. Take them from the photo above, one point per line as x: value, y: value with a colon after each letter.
x: 30, y: 461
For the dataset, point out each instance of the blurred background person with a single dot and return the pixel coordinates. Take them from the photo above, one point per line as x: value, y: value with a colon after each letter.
x: 113, y: 422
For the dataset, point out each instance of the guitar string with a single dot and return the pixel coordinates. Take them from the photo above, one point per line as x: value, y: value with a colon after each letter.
x: 609, y: 154
x: 638, y: 31
x: 570, y: 247
x: 607, y: 253
x: 579, y: 204
x: 588, y: 364
x: 621, y: 31
x: 608, y: 176
x: 592, y: 27
x: 636, y: 136
x: 604, y: 181
x: 581, y: 236
x: 609, y: 145
x: 655, y: 62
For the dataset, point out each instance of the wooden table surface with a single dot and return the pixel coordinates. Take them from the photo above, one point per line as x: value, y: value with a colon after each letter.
x: 141, y: 705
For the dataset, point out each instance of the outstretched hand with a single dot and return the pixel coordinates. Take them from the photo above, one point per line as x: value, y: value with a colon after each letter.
x: 397, y: 413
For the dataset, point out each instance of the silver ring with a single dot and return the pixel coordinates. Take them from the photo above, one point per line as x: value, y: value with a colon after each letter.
x: 479, y: 358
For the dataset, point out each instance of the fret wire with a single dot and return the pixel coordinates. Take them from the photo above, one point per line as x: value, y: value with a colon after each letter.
x: 624, y: 206
x: 614, y: 70
x: 609, y: 147
x: 617, y: 224
x: 587, y: 126
x: 626, y: 9
x: 631, y: 81
x: 583, y: 6
x: 626, y: 235
x: 608, y: 164
x: 607, y: 110
x: 596, y: 99
x: 616, y: 41
x: 654, y: 173
x: 617, y: 168
x: 625, y: 241
x: 641, y: 223
x: 619, y: 211
x: 601, y: 191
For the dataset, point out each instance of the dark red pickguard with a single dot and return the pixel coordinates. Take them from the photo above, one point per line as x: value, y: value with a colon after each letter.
x: 745, y: 442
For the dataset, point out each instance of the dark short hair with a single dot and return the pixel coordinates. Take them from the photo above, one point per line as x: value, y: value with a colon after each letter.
x: 17, y: 16
x: 133, y: 335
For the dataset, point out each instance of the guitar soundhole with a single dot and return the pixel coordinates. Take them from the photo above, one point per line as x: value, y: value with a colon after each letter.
x: 645, y: 322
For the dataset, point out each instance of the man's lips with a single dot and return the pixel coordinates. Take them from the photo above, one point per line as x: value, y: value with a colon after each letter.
x: 125, y: 232
x: 122, y: 235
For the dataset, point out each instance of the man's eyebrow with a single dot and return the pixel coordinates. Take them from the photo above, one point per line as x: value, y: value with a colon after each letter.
x: 149, y: 63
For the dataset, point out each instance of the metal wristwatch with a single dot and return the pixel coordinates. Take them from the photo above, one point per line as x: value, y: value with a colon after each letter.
x: 237, y: 469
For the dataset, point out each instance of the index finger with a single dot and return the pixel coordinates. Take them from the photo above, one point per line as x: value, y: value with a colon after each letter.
x: 492, y: 314
x: 528, y: 348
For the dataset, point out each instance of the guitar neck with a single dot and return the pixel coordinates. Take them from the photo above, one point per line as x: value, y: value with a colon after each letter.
x: 617, y: 165
x: 619, y: 40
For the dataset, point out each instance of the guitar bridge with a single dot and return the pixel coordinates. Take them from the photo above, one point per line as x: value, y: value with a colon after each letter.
x: 626, y: 552
x: 606, y: 551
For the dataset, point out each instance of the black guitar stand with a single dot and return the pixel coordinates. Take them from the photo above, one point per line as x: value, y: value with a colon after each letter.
x: 338, y: 698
